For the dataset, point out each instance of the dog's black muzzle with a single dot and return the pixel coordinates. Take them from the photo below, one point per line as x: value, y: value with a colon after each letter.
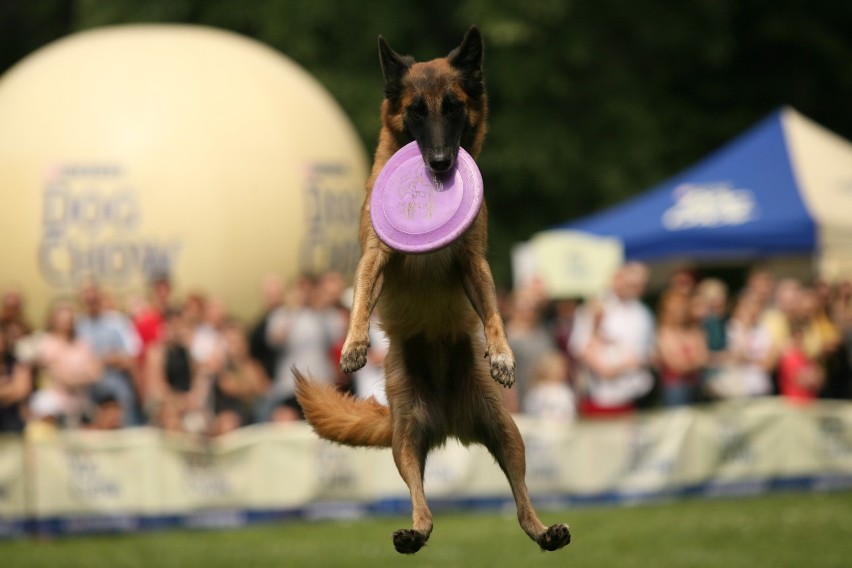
x: 440, y: 160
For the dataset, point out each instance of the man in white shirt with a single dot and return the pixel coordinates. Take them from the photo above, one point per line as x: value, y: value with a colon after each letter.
x: 613, y: 338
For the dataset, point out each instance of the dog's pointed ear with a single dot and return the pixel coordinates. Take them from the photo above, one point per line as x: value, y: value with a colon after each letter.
x: 394, y: 68
x: 468, y: 58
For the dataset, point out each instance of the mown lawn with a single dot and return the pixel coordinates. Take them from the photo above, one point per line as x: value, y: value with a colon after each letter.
x: 781, y: 530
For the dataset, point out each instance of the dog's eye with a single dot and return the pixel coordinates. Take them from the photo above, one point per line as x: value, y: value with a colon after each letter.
x: 453, y: 107
x: 418, y: 112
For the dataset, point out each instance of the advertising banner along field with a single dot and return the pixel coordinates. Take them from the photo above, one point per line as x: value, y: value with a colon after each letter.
x: 138, y: 479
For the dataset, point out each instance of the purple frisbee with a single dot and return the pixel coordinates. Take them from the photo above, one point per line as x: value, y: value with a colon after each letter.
x: 415, y: 210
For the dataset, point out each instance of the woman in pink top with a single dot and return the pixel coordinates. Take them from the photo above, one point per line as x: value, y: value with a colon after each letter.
x: 69, y: 367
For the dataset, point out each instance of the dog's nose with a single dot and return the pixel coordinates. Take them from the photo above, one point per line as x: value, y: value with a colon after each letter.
x: 440, y: 163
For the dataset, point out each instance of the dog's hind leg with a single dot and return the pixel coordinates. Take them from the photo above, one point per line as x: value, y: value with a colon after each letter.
x: 501, y: 436
x: 409, y: 453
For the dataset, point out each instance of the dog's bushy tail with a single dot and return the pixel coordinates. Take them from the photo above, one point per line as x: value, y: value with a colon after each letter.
x: 342, y: 418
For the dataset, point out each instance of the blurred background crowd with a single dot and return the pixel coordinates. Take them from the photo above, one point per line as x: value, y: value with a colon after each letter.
x: 185, y: 364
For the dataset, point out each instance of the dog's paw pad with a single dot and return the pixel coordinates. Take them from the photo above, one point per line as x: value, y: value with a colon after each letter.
x: 503, y: 369
x: 408, y: 541
x: 353, y: 357
x: 555, y: 537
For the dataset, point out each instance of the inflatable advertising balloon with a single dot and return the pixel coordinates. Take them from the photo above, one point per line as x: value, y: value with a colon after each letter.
x: 134, y: 151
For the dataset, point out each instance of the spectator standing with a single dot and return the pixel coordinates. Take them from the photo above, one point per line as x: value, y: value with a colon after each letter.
x: 239, y: 385
x: 150, y: 319
x: 711, y: 309
x: 682, y: 350
x: 561, y: 325
x: 800, y: 377
x: 369, y: 381
x: 70, y: 368
x: 15, y: 387
x: 760, y: 285
x: 207, y: 345
x: 207, y: 349
x: 683, y: 280
x: 332, y: 287
x: 529, y: 339
x: 821, y: 335
x: 171, y: 374
x: 116, y: 343
x: 839, y: 383
x: 751, y: 357
x: 272, y: 294
x: 776, y: 319
x: 614, y: 340
x: 13, y: 322
x: 305, y: 330
x: 192, y: 310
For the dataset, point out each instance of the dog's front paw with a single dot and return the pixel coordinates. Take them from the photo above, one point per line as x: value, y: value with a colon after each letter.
x: 503, y: 368
x: 354, y: 355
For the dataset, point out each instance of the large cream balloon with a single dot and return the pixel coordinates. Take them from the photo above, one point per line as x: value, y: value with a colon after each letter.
x: 134, y: 150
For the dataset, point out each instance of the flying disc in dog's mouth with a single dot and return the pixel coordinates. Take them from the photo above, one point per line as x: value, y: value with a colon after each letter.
x: 415, y: 210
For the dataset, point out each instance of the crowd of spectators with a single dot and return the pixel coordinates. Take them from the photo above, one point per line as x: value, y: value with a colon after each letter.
x: 188, y: 365
x: 697, y: 342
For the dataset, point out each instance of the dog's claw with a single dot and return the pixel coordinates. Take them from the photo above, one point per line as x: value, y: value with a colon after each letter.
x: 555, y: 537
x: 503, y: 369
x: 353, y: 356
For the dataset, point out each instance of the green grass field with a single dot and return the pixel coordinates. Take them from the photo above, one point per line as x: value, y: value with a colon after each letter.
x: 782, y: 530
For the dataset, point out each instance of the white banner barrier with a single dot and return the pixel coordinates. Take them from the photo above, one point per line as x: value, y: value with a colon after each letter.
x: 144, y: 478
x: 13, y: 510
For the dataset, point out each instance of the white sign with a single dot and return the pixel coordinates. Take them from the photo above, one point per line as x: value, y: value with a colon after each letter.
x: 709, y: 205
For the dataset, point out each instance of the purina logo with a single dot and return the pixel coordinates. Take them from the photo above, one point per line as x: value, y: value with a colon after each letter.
x: 709, y: 205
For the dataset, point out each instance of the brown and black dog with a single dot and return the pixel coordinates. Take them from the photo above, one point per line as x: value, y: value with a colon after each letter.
x: 432, y: 305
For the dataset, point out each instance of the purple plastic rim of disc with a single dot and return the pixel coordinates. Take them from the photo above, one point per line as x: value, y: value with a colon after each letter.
x: 416, y: 211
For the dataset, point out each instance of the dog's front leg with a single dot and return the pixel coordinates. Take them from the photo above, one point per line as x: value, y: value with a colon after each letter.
x: 368, y: 286
x: 479, y: 286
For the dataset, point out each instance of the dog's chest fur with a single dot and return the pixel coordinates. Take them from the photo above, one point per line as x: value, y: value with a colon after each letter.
x: 423, y: 294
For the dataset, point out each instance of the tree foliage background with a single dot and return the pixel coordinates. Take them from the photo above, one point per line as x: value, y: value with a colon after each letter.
x: 591, y: 101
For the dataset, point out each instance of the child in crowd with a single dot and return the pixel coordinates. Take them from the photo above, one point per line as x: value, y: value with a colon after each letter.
x: 550, y: 396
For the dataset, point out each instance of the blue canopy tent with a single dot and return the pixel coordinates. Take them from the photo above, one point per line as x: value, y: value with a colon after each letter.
x: 784, y: 187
